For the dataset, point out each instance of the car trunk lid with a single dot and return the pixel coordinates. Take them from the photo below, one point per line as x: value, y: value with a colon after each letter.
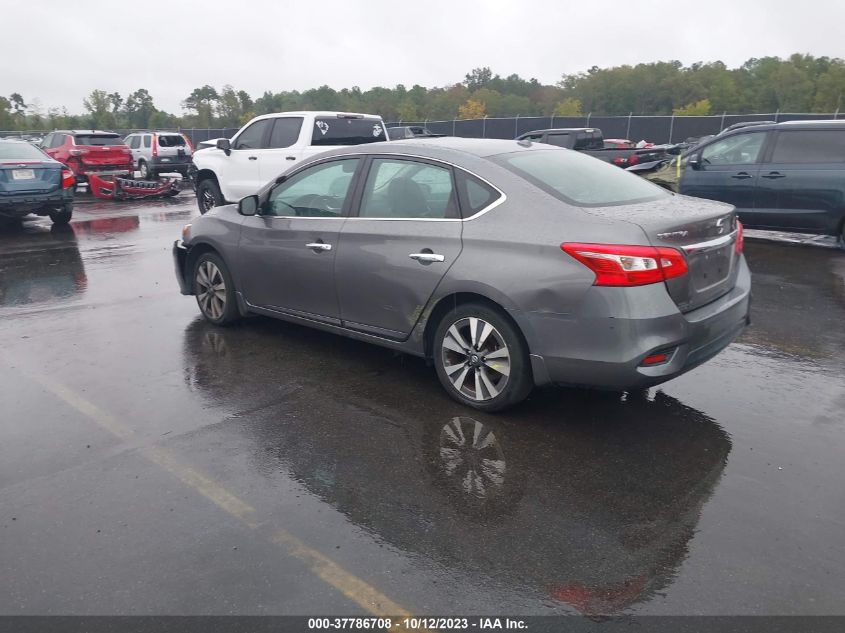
x: 19, y: 177
x: 172, y: 146
x: 704, y: 231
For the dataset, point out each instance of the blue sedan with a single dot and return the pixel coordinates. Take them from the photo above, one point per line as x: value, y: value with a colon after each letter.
x: 32, y: 182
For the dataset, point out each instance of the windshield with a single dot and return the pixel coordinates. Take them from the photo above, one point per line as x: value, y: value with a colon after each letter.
x: 579, y: 179
x: 98, y: 139
x: 342, y: 131
x: 20, y: 150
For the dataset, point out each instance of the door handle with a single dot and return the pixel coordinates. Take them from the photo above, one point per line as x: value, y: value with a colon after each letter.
x: 742, y: 175
x: 253, y: 157
x: 427, y: 258
x: 319, y: 246
x: 290, y: 157
x: 774, y: 174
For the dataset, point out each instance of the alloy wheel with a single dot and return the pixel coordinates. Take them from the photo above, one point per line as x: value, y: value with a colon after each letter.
x: 211, y: 290
x: 476, y: 359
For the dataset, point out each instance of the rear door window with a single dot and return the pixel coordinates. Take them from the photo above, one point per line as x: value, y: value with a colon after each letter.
x: 147, y: 140
x: 347, y: 131
x: 253, y: 137
x: 809, y: 146
x: 408, y: 189
x: 559, y: 140
x: 285, y: 131
x: 588, y: 141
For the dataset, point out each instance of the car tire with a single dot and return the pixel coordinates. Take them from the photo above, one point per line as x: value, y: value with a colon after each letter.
x: 216, y: 303
x: 208, y: 195
x: 481, y: 358
x: 62, y: 215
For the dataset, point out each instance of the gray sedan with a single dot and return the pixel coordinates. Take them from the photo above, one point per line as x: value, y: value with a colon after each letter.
x: 507, y: 264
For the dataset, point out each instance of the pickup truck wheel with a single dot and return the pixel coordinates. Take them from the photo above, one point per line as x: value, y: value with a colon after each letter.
x: 214, y: 290
x: 208, y: 195
x: 62, y: 216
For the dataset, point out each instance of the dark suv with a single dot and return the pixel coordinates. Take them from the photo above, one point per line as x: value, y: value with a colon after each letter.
x: 785, y: 176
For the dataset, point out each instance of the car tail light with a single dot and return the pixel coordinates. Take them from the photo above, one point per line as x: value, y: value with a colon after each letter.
x: 155, y: 146
x: 619, y: 161
x: 620, y: 265
x: 740, y: 239
x: 633, y: 159
x: 78, y: 152
x: 68, y: 179
x: 188, y: 143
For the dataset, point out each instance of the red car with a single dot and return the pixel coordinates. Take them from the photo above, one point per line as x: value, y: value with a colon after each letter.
x: 90, y: 151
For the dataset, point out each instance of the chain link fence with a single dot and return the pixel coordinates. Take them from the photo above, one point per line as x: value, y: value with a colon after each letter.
x: 656, y: 129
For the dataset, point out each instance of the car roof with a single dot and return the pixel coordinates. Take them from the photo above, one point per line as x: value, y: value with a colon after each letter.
x: 155, y: 132
x: 84, y: 132
x: 563, y: 129
x: 816, y: 123
x: 441, y: 147
x: 316, y: 113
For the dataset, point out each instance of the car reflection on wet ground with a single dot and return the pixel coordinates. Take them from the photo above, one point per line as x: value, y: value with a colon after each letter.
x: 152, y: 463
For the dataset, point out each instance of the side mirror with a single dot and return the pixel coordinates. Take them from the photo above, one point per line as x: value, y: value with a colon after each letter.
x: 694, y: 161
x: 225, y: 145
x: 248, y: 205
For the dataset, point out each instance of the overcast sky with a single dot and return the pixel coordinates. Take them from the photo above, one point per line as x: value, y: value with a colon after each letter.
x: 58, y: 52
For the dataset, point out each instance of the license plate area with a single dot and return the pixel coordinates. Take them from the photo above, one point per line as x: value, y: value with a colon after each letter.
x: 23, y: 174
x: 710, y: 267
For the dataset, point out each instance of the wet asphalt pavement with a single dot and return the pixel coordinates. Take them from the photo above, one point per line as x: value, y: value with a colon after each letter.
x: 153, y: 464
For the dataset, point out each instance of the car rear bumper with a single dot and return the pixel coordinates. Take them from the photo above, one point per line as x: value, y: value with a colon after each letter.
x: 180, y: 259
x: 174, y: 163
x: 604, y: 345
x: 83, y: 173
x: 22, y: 204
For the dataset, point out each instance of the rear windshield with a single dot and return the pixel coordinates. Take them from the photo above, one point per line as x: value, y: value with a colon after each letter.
x: 338, y: 131
x: 171, y: 140
x: 21, y: 150
x: 579, y: 179
x: 98, y: 139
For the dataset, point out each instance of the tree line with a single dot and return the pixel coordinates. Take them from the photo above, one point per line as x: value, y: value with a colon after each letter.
x: 799, y: 83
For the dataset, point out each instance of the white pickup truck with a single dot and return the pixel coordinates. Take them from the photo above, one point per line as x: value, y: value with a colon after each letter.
x: 271, y: 144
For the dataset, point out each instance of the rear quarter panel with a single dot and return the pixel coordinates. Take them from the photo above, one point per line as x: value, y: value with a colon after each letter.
x: 512, y: 255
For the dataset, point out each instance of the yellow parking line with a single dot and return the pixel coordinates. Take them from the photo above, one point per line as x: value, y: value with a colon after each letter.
x: 333, y: 574
x: 357, y: 590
